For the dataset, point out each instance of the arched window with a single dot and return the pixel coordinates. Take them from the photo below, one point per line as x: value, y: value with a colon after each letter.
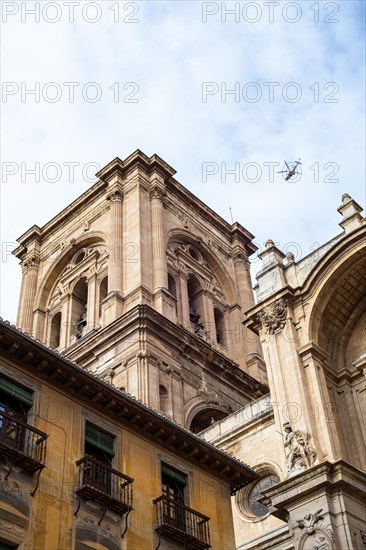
x: 205, y: 418
x: 172, y: 287
x: 55, y: 331
x: 220, y: 327
x: 78, y: 308
x: 196, y: 305
x: 103, y: 291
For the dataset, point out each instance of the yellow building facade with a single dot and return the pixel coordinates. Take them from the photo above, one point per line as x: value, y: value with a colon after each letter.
x: 84, y: 465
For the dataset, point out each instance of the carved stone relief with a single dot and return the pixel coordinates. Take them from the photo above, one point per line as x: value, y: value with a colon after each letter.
x: 315, y: 536
x: 273, y: 317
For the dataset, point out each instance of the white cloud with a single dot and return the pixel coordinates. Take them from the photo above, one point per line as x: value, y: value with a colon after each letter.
x: 169, y: 54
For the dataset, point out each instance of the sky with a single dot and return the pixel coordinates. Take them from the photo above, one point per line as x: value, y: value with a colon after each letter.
x: 224, y: 92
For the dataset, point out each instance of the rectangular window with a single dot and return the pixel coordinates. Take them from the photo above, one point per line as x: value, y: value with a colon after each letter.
x: 15, y: 402
x: 98, y: 444
x: 174, y: 485
x: 15, y: 393
x: 99, y: 453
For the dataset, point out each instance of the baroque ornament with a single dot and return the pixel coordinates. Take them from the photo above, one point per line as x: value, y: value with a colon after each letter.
x: 273, y: 317
x: 315, y: 536
x: 309, y: 522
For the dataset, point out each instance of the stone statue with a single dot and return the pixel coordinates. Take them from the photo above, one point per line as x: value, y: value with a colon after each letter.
x: 299, y: 452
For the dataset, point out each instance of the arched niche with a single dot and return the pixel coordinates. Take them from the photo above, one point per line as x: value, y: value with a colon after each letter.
x: 55, y: 331
x: 79, y: 302
x: 220, y: 327
x: 196, y: 303
x: 205, y: 255
x: 103, y: 291
x: 338, y: 309
x: 205, y: 418
x: 59, y: 261
x: 172, y: 285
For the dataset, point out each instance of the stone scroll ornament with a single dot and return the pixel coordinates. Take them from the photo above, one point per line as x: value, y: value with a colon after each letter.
x: 273, y: 317
x: 300, y: 455
x: 315, y: 536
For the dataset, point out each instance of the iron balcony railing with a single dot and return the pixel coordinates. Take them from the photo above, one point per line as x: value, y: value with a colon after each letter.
x: 182, y: 523
x: 101, y: 483
x: 21, y: 442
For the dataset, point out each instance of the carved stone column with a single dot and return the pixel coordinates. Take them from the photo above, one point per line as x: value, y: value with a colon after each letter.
x: 209, y: 318
x: 29, y: 293
x: 92, y: 306
x: 21, y: 295
x: 183, y: 303
x: 115, y: 276
x: 65, y: 321
x: 158, y: 244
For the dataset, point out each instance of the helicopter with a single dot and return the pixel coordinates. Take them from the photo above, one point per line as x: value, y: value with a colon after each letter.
x: 290, y: 171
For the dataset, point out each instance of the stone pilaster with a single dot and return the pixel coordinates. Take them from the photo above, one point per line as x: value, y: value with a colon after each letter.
x: 92, y: 306
x: 115, y: 276
x: 114, y: 303
x: 29, y: 293
x: 183, y: 303
x: 21, y: 296
x: 323, y: 413
x: 244, y: 283
x: 316, y: 506
x: 160, y: 277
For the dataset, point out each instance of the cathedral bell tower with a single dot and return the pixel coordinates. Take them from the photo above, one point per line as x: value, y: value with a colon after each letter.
x: 143, y: 284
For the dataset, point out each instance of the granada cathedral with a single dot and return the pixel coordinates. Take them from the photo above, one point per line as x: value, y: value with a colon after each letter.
x: 151, y: 400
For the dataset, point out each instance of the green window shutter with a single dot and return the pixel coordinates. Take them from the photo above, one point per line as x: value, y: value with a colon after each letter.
x: 99, y: 440
x: 180, y: 479
x: 10, y: 389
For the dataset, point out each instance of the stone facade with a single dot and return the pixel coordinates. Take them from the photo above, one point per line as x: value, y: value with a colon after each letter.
x: 311, y: 318
x: 149, y: 290
x: 85, y: 466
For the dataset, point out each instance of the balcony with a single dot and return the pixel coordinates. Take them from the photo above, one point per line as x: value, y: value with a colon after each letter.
x: 102, y: 484
x: 182, y: 523
x: 22, y: 443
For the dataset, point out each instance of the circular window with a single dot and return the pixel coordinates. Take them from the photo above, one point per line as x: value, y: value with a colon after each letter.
x: 248, y: 498
x: 256, y: 507
x: 195, y: 255
x: 79, y: 256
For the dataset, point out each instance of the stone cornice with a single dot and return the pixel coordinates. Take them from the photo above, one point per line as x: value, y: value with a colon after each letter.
x: 77, y: 206
x: 196, y: 205
x: 146, y: 319
x: 83, y: 386
x: 311, y: 349
x: 122, y: 168
x: 327, y: 476
x: 148, y: 166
